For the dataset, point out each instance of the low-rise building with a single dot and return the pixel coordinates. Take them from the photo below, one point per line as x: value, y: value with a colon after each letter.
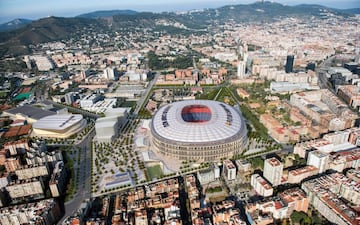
x: 17, y: 147
x: 4, y: 180
x: 12, y: 164
x: 256, y: 216
x: 244, y: 167
x: 89, y: 100
x: 193, y: 192
x: 279, y: 207
x: 31, y: 189
x: 324, y: 192
x: 297, y: 175
x: 28, y: 172
x: 226, y: 212
x: 208, y: 175
x: 45, y: 212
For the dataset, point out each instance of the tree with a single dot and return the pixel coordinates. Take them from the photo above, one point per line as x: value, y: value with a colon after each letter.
x: 300, y: 217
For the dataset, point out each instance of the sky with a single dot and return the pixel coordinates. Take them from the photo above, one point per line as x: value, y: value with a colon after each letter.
x: 35, y: 9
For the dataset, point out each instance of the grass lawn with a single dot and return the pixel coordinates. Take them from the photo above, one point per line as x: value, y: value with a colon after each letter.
x: 209, y: 93
x: 154, y: 172
x: 128, y: 104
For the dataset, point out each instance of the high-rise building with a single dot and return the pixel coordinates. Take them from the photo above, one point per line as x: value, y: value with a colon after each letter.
x: 109, y: 73
x: 229, y: 170
x: 318, y: 159
x: 57, y: 181
x: 289, y: 64
x: 241, y: 69
x: 69, y: 98
x: 273, y: 169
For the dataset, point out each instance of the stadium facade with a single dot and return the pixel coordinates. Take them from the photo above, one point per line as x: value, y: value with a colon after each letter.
x: 201, y: 130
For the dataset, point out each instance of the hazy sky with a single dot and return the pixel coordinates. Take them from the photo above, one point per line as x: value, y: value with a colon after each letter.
x: 34, y: 9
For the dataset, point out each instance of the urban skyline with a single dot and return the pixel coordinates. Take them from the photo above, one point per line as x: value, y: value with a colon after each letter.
x: 10, y: 10
x: 244, y: 114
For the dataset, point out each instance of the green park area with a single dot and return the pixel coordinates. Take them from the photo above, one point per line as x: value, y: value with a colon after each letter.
x: 154, y: 172
x: 222, y: 94
x: 214, y: 189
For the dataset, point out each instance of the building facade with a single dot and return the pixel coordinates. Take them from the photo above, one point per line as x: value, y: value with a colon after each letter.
x: 198, y: 130
x: 273, y: 169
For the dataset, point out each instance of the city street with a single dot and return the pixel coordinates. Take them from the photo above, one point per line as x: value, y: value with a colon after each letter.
x: 84, y: 182
x: 140, y: 102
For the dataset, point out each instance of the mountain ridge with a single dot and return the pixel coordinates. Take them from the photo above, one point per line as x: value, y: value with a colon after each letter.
x: 17, y: 41
x: 14, y: 24
x: 107, y: 13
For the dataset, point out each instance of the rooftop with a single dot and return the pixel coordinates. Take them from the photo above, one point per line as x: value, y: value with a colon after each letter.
x: 197, y: 121
x: 273, y: 162
x: 303, y: 170
x: 31, y: 112
x: 58, y: 122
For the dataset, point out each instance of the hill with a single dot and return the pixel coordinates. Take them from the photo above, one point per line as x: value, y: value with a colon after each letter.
x: 106, y: 13
x: 44, y: 30
x: 352, y: 11
x: 16, y: 42
x: 14, y: 24
x: 258, y: 12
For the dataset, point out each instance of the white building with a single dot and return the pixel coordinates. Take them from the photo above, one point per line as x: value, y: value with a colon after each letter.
x: 118, y: 180
x: 209, y: 175
x: 318, y: 159
x: 344, y: 72
x: 241, y: 73
x: 34, y: 188
x: 59, y: 126
x: 243, y: 166
x: 229, y: 170
x: 225, y: 56
x: 4, y: 180
x: 133, y: 76
x: 28, y: 172
x: 89, y: 100
x: 261, y: 186
x: 107, y: 128
x: 43, y: 63
x: 109, y: 73
x: 273, y: 169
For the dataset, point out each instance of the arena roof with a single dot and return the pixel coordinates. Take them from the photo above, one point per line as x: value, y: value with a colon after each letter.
x: 31, y: 112
x: 197, y: 121
x: 58, y: 122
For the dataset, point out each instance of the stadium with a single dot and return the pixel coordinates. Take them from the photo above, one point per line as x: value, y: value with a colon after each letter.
x: 59, y: 126
x: 200, y: 130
